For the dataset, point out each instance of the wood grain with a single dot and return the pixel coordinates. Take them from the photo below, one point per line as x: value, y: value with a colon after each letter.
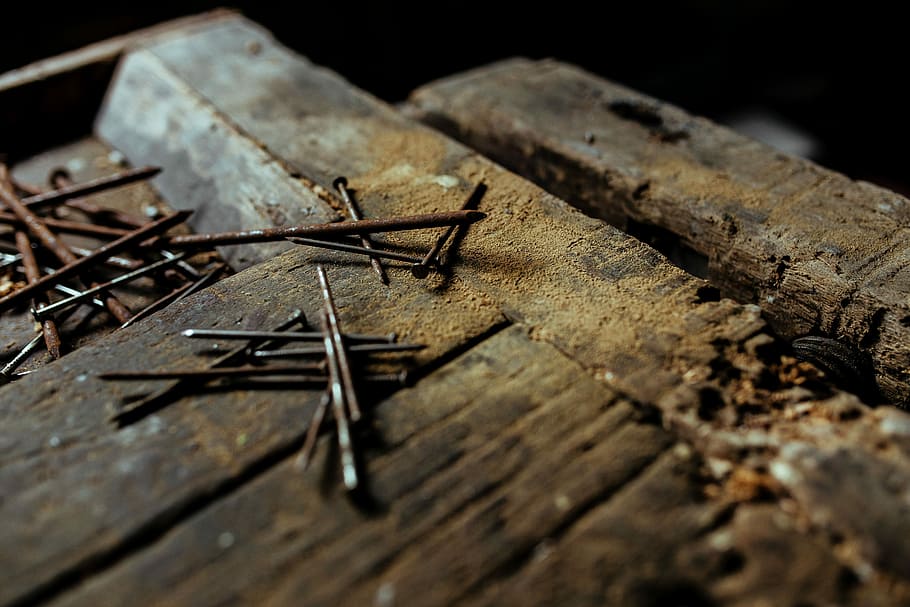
x: 619, y: 376
x: 819, y: 252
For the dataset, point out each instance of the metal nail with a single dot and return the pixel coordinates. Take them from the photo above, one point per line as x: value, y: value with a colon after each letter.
x: 304, y: 370
x: 352, y: 349
x: 324, y: 230
x: 32, y: 274
x: 282, y: 335
x: 422, y: 268
x: 94, y: 186
x: 98, y: 256
x: 350, y: 248
x: 128, y: 277
x: 340, y: 351
x: 341, y: 184
x: 176, y: 295
x: 339, y: 411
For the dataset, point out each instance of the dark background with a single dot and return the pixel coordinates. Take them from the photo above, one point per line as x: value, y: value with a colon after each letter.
x: 835, y: 73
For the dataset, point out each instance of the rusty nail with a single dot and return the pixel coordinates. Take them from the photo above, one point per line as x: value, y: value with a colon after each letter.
x: 319, y: 350
x: 98, y: 255
x: 94, y: 186
x: 325, y: 230
x: 350, y: 248
x: 40, y: 314
x: 422, y: 268
x: 341, y: 184
x: 32, y: 274
x: 341, y: 353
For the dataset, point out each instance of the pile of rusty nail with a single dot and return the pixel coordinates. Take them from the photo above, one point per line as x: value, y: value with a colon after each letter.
x: 153, y: 250
x: 33, y: 252
x: 332, y: 354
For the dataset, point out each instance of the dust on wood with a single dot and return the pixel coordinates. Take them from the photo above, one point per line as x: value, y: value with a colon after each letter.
x: 818, y: 252
x: 625, y: 396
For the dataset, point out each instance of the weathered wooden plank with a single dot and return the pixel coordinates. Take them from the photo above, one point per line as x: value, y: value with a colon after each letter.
x: 466, y: 470
x: 628, y: 327
x: 819, y: 252
x: 85, y: 159
x: 533, y: 256
x: 75, y: 488
x: 208, y: 164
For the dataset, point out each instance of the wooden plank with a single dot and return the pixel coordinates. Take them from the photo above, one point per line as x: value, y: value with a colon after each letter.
x: 446, y: 473
x: 628, y: 327
x: 819, y: 252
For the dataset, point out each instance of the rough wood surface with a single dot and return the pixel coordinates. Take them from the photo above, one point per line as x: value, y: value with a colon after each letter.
x: 628, y: 421
x: 819, y: 252
x: 85, y: 159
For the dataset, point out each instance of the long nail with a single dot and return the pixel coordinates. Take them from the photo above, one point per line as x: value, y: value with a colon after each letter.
x: 306, y: 453
x: 339, y: 411
x: 128, y: 277
x: 323, y: 230
x: 350, y: 248
x: 150, y: 403
x: 60, y: 179
x: 68, y: 227
x: 422, y: 268
x: 32, y: 274
x: 176, y: 295
x: 320, y: 350
x: 341, y: 354
x: 341, y: 184
x: 98, y: 255
x: 303, y: 370
x: 282, y: 335
x: 94, y: 186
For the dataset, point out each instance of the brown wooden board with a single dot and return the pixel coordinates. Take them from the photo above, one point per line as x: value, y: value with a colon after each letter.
x: 575, y: 380
x: 820, y: 253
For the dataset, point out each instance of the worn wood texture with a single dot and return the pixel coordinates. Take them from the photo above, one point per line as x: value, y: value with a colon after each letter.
x: 819, y: 252
x: 626, y: 412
